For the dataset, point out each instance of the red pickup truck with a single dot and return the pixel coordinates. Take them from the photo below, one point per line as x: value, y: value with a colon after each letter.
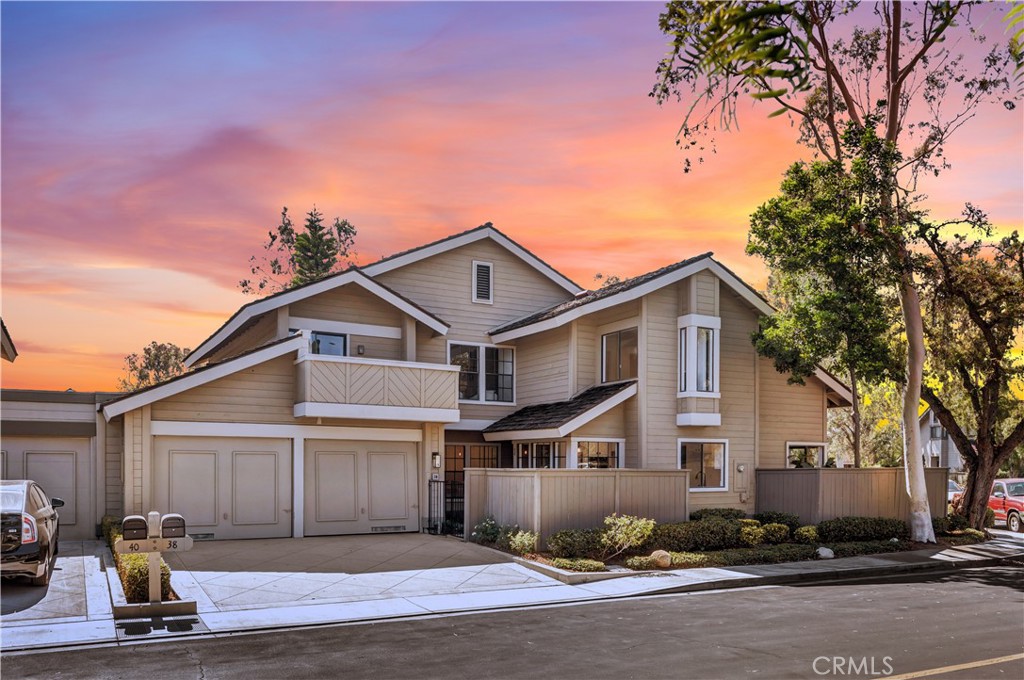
x: 1007, y: 501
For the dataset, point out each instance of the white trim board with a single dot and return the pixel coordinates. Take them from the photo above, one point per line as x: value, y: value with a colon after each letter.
x: 178, y: 428
x: 470, y: 424
x: 698, y: 419
x: 192, y: 380
x: 569, y: 427
x: 332, y: 359
x: 572, y: 455
x: 320, y: 325
x: 310, y: 409
x: 473, y: 236
x: 269, y: 304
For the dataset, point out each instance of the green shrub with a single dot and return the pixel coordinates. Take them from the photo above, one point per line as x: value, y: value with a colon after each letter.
x: 674, y: 536
x: 749, y: 522
x: 505, y: 534
x: 569, y: 543
x: 966, y: 537
x: 487, y: 532
x: 751, y: 535
x: 688, y: 560
x: 843, y: 529
x: 523, y: 542
x: 948, y: 524
x: 641, y: 563
x: 134, y: 573
x: 775, y: 533
x: 773, y: 554
x: 775, y: 517
x: 714, y: 534
x: 577, y: 564
x: 807, y: 535
x: 723, y: 513
x: 625, y: 532
x: 990, y: 518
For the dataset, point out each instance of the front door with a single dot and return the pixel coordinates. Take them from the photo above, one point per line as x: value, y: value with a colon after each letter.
x: 458, y: 457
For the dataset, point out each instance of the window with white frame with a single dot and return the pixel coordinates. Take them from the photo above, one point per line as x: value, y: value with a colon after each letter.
x: 541, y: 455
x: 699, y: 363
x: 707, y: 462
x: 808, y: 455
x: 619, y: 355
x: 489, y: 380
x: 598, y: 454
x: 483, y: 282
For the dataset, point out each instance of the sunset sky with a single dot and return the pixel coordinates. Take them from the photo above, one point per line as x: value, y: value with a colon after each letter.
x: 147, y: 148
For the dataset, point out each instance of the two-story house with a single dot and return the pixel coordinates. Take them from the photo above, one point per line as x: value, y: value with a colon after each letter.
x: 328, y: 408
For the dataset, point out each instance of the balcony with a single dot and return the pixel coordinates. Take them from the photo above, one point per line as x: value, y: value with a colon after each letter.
x: 376, y: 389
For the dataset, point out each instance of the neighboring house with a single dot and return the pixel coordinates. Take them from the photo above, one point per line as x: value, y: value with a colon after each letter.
x: 331, y: 407
x: 936, y: 446
x: 7, y: 349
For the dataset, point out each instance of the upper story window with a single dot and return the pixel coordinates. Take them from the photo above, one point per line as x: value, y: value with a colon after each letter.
x: 938, y: 432
x: 483, y: 282
x: 332, y: 344
x: 619, y: 355
x: 486, y: 373
x: 699, y: 363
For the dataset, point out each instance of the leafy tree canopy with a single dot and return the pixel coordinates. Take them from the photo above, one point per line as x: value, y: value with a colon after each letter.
x: 295, y: 257
x: 159, y: 361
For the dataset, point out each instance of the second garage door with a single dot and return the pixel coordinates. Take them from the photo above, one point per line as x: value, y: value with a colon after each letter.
x: 227, y: 487
x: 360, y: 487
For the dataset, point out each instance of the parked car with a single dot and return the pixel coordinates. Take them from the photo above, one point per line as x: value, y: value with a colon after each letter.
x: 1007, y: 501
x: 30, y: 529
x: 953, y: 489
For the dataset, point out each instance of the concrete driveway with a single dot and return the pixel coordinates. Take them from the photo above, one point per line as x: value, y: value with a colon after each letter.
x: 249, y: 574
x: 77, y: 592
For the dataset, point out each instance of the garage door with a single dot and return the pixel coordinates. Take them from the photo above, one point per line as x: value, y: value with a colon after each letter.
x: 63, y: 467
x: 227, y: 487
x: 360, y: 487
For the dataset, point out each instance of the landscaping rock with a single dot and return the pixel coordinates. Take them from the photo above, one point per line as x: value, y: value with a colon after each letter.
x: 825, y: 554
x: 661, y: 559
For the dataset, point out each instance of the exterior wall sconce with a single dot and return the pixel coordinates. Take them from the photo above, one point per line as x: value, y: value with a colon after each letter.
x: 360, y: 350
x: 436, y: 459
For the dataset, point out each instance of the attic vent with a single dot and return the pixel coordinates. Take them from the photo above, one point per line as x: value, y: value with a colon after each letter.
x: 482, y: 277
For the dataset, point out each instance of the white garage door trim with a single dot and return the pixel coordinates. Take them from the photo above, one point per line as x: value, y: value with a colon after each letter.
x: 178, y: 428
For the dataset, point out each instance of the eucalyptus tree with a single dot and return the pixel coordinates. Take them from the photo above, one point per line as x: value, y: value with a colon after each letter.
x: 824, y: 65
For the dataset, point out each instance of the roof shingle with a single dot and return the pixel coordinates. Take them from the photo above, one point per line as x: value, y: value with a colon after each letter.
x: 556, y: 414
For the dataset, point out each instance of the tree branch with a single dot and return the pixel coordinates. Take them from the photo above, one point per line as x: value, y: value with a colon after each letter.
x: 945, y: 417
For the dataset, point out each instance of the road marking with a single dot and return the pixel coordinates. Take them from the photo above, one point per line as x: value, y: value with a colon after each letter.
x: 957, y: 667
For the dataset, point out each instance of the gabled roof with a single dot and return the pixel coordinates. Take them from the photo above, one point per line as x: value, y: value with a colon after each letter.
x: 635, y: 288
x: 558, y: 419
x: 7, y: 348
x: 247, y: 313
x: 201, y: 376
x: 484, y: 231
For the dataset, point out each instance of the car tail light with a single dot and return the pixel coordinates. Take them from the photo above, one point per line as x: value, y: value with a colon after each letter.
x: 28, y: 529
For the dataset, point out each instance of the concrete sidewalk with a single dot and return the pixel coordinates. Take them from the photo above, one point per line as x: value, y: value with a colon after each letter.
x: 464, y: 589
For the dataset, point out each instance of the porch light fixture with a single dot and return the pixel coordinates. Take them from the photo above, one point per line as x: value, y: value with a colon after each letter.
x: 436, y: 459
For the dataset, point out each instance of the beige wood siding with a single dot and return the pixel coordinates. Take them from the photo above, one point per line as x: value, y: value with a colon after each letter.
x: 794, y: 413
x: 260, y: 333
x: 736, y: 404
x: 337, y: 382
x: 113, y: 470
x: 543, y: 367
x: 442, y: 284
x: 611, y: 424
x: 375, y: 348
x: 707, y: 291
x: 264, y: 393
x: 349, y: 303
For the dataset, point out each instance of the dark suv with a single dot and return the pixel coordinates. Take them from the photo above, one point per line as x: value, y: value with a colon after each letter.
x: 29, y: 529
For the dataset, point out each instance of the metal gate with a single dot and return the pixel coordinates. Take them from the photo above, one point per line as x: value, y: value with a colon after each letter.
x: 446, y: 508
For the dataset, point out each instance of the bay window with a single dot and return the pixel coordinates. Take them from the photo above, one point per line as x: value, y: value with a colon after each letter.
x: 699, y: 364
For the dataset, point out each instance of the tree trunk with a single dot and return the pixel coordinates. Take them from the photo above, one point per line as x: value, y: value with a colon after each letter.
x: 856, y: 418
x: 920, y: 514
x: 980, y: 475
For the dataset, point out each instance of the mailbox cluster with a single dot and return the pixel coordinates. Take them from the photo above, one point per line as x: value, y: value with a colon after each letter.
x: 136, y: 527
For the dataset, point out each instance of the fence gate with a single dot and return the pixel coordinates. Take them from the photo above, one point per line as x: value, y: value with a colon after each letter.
x: 446, y: 507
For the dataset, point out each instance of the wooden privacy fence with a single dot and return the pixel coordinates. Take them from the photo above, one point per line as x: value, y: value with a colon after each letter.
x: 546, y: 501
x: 825, y: 493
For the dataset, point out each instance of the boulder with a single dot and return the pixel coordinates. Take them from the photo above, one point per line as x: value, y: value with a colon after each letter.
x: 825, y: 554
x: 661, y: 559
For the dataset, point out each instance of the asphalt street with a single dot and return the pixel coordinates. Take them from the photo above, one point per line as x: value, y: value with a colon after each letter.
x: 964, y: 624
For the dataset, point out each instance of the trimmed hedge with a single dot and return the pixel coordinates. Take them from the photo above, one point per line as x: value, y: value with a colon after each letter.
x: 641, y: 563
x: 133, y: 570
x: 774, y: 554
x: 723, y: 513
x: 712, y: 533
x: 949, y: 524
x: 845, y: 529
x: 806, y: 535
x: 572, y: 543
x: 751, y: 536
x: 775, y: 533
x: 775, y: 517
x: 687, y: 560
x: 855, y: 548
x: 577, y: 564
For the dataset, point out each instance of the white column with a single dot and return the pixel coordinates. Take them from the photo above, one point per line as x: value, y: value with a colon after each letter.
x: 298, y: 485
